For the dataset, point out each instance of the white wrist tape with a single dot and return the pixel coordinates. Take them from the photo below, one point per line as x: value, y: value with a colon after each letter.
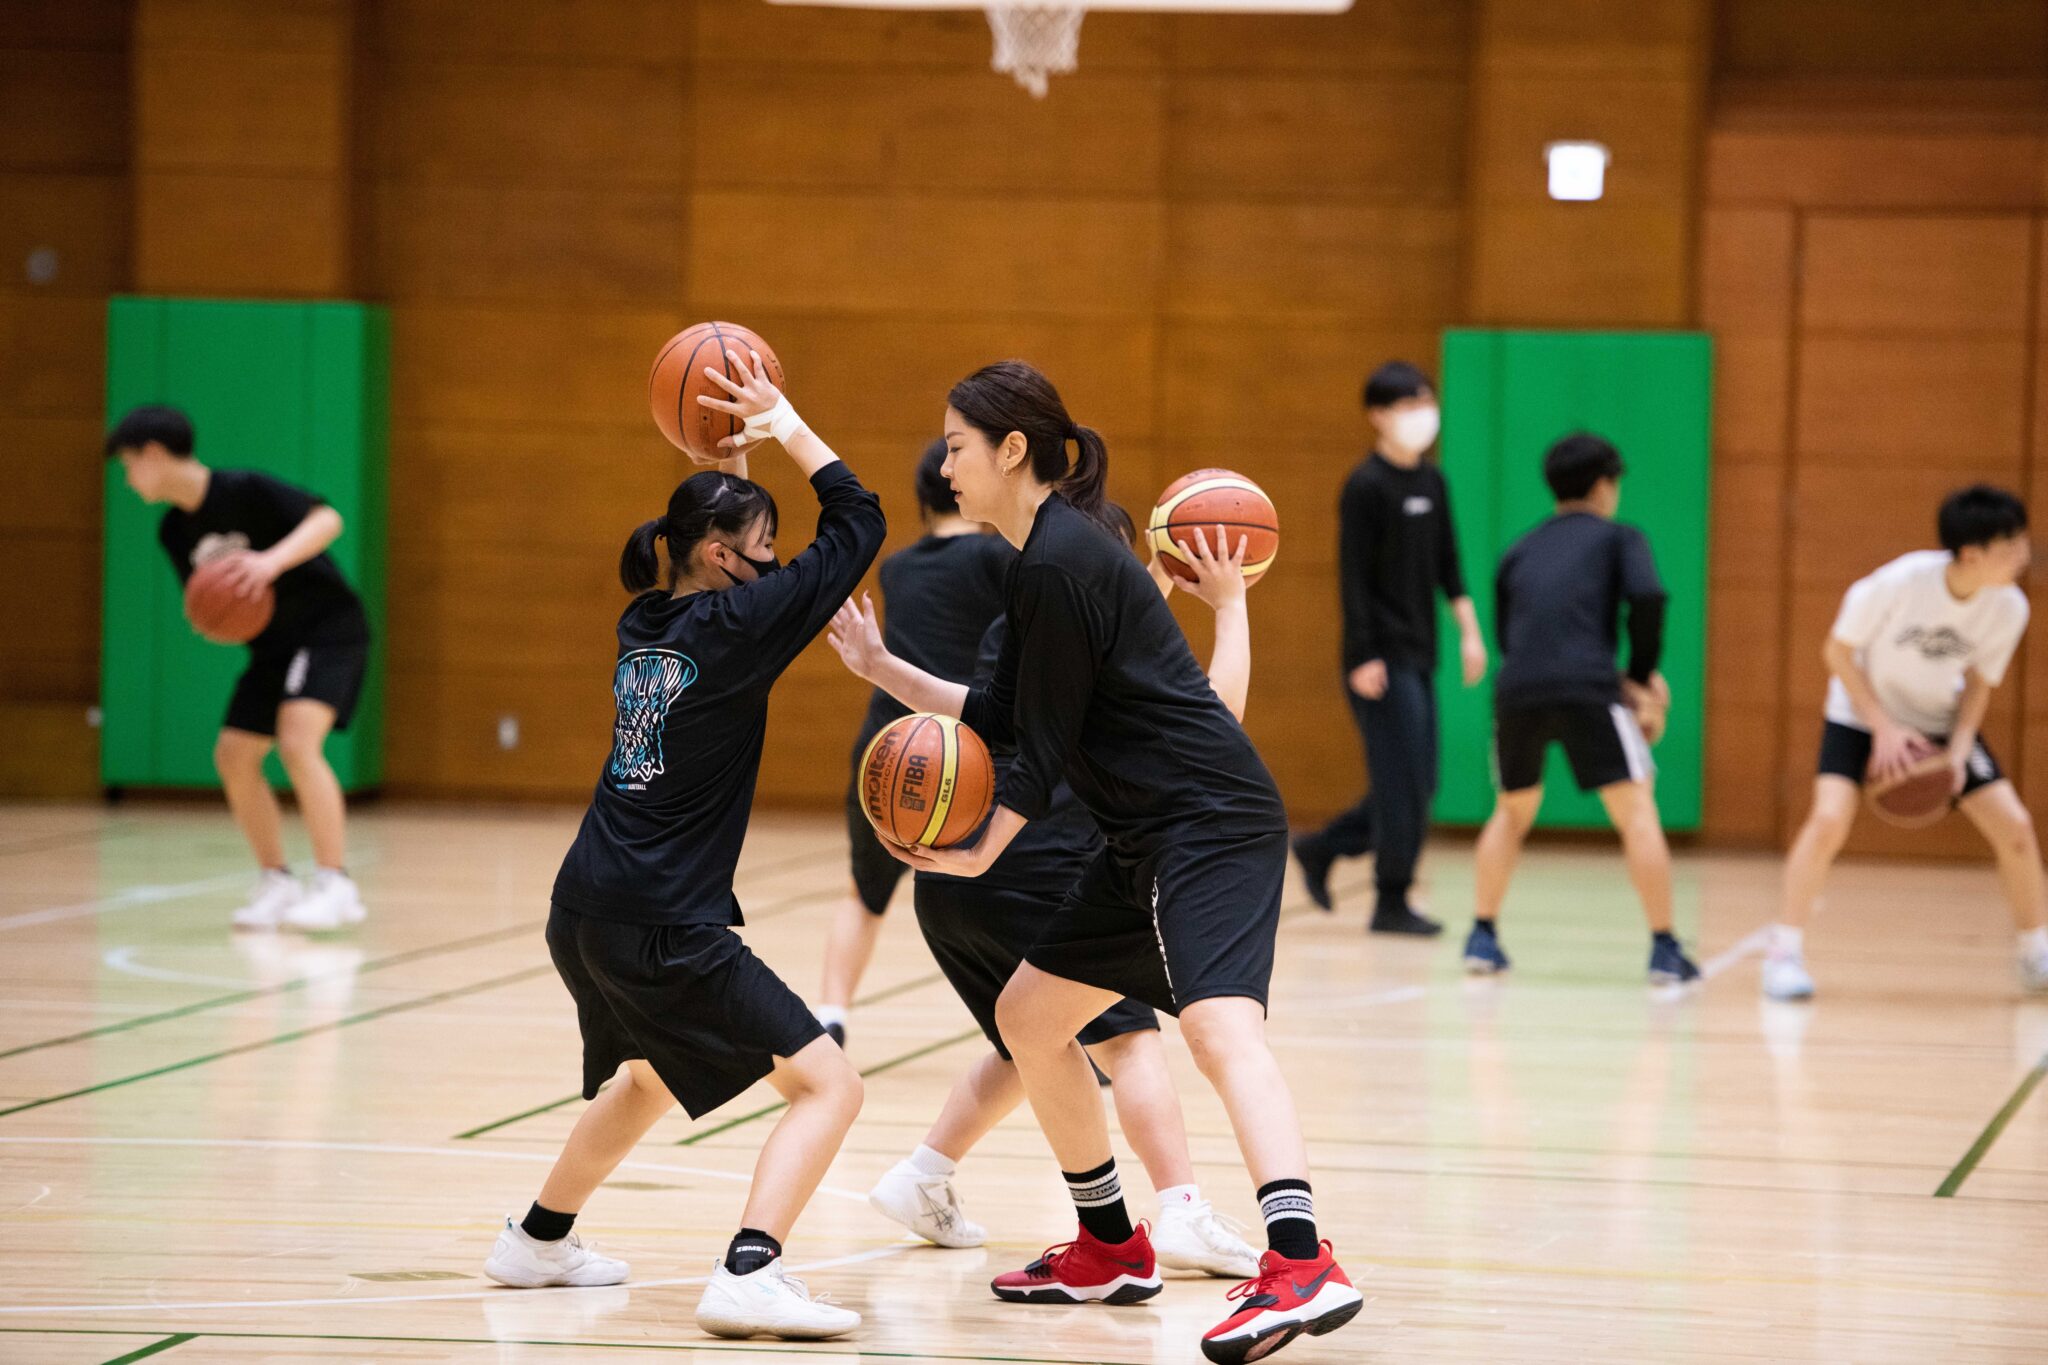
x: 780, y: 421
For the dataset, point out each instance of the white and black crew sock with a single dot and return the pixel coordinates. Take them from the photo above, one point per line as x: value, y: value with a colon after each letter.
x: 1290, y: 1212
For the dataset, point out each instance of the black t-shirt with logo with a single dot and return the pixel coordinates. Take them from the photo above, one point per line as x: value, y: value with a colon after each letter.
x: 1396, y: 549
x: 245, y: 510
x: 691, y: 682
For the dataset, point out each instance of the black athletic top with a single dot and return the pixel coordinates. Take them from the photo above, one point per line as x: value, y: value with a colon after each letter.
x: 1096, y: 682
x: 1395, y: 548
x: 1557, y: 603
x: 938, y: 598
x: 663, y: 833
x: 1049, y: 853
x: 245, y: 510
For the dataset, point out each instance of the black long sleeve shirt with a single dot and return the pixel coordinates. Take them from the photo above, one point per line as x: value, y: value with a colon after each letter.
x: 1557, y: 600
x: 663, y: 832
x: 1097, y: 682
x: 1396, y: 548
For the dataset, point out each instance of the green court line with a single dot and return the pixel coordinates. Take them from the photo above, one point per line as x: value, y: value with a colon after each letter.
x: 879, y: 1067
x: 837, y: 1349
x: 897, y: 989
x: 153, y: 1348
x: 1982, y: 1146
x: 291, y: 1037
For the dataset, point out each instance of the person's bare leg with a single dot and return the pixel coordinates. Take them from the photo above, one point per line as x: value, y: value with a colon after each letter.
x: 2000, y: 816
x: 1500, y: 847
x: 1148, y: 1106
x: 302, y: 729
x: 238, y: 757
x: 1806, y: 867
x: 1632, y: 808
x: 1038, y: 1015
x: 849, y: 946
x: 609, y: 1128
x: 1227, y: 1036
x: 824, y: 1094
x: 979, y: 1100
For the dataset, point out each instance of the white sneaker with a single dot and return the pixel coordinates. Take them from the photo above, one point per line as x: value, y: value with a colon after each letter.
x: 1785, y: 978
x: 2034, y: 973
x: 1196, y: 1237
x: 331, y: 902
x: 927, y: 1205
x: 769, y: 1302
x: 524, y: 1263
x: 276, y: 894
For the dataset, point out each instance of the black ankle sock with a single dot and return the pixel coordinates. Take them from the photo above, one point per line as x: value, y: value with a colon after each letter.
x: 545, y: 1225
x: 1099, y: 1199
x: 1484, y: 922
x: 1290, y: 1219
x: 1662, y: 936
x: 749, y: 1250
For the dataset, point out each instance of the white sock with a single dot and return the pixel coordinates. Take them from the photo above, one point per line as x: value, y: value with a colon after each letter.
x: 322, y: 876
x: 1787, y: 941
x: 929, y: 1161
x: 831, y: 1014
x: 1178, y: 1196
x: 2034, y: 943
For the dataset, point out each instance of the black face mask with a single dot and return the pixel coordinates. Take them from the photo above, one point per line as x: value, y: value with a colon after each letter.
x: 760, y: 567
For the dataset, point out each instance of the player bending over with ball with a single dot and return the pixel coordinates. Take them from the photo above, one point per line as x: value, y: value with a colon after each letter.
x: 1558, y: 597
x: 1914, y: 653
x: 305, y: 669
x: 642, y: 924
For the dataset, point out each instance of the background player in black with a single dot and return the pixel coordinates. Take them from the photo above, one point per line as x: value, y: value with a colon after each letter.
x: 979, y: 931
x: 939, y: 597
x: 305, y: 670
x: 1558, y: 600
x: 1096, y: 682
x: 1396, y: 551
x: 641, y: 929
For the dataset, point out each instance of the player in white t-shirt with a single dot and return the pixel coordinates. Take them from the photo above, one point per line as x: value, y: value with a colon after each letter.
x: 1915, y: 651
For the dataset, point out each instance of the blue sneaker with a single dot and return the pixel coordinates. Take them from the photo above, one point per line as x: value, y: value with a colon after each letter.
x: 1483, y: 956
x: 1669, y: 966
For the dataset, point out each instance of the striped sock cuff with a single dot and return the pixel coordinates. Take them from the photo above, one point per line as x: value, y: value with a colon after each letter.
x: 1097, y: 1188
x: 1286, y: 1199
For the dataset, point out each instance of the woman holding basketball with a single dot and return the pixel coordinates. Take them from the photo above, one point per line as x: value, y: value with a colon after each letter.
x: 1179, y: 910
x: 641, y: 928
x: 979, y: 930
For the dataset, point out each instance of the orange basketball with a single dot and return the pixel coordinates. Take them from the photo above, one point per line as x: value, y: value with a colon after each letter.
x: 217, y: 613
x: 1209, y: 498
x: 1919, y: 796
x: 678, y: 379
x: 926, y: 780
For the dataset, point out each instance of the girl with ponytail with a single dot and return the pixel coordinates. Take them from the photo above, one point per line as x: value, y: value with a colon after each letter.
x: 641, y: 927
x: 1096, y: 683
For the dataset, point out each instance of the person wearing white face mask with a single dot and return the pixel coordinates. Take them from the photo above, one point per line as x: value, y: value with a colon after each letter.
x: 1396, y: 551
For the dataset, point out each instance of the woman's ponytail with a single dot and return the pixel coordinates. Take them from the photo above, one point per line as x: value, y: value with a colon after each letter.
x: 1013, y: 396
x: 640, y: 562
x: 1086, y: 482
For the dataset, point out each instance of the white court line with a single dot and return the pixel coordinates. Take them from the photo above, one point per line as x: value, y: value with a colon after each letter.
x: 123, y: 960
x: 1749, y: 945
x: 149, y: 893
x: 1393, y: 995
x: 394, y: 1149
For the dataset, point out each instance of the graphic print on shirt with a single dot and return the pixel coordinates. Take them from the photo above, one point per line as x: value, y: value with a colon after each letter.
x: 213, y: 545
x: 1940, y: 643
x: 1418, y: 505
x: 645, y: 687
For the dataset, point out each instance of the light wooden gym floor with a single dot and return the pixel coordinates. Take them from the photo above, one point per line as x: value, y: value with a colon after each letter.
x: 223, y: 1148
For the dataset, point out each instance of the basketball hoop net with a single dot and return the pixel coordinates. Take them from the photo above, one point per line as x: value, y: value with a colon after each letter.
x: 1035, y: 41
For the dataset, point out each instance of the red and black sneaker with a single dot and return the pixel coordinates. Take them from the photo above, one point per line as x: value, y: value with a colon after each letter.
x: 1287, y: 1299
x: 1085, y: 1270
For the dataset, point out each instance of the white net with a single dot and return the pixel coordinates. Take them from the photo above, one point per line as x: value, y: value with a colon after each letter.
x: 1035, y: 41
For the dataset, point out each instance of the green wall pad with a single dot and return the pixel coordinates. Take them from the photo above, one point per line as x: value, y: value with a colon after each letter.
x: 298, y: 390
x: 1506, y: 396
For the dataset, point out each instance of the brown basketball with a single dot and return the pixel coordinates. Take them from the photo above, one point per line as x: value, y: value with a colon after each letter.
x: 1209, y: 498
x: 217, y: 613
x: 678, y: 379
x: 1918, y: 796
x: 926, y: 780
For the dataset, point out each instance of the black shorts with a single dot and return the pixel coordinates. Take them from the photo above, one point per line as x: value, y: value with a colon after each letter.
x: 1189, y: 921
x: 979, y: 936
x: 1845, y: 752
x: 875, y: 873
x: 691, y: 1000
x: 329, y: 673
x: 1601, y: 740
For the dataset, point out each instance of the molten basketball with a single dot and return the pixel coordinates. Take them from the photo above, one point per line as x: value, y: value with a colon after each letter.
x: 1917, y: 797
x: 678, y: 379
x: 926, y: 780
x: 1209, y: 498
x: 218, y: 613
